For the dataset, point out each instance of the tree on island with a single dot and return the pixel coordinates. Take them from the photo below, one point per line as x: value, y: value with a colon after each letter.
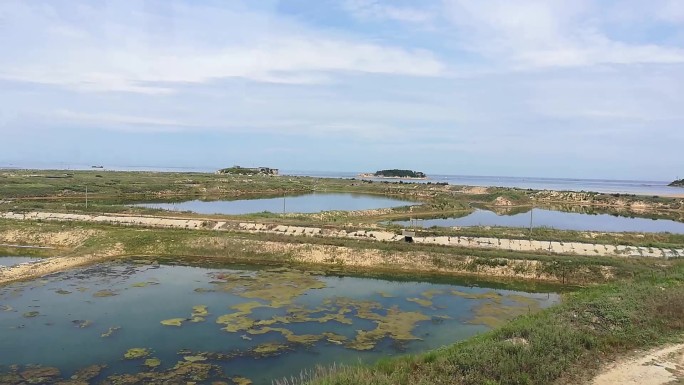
x: 678, y: 183
x: 396, y: 173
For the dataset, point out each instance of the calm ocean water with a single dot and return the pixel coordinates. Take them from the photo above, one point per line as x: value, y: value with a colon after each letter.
x: 640, y: 187
x: 561, y: 184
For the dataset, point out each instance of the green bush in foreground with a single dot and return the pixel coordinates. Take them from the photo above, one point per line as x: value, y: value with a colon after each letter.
x: 562, y: 345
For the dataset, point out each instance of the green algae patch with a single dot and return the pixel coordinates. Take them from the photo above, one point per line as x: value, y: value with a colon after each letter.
x: 82, y: 323
x: 6, y: 308
x: 420, y: 301
x: 31, y: 314
x: 184, y: 372
x: 197, y: 358
x: 144, y: 284
x: 490, y: 295
x: 385, y: 294
x: 110, y: 331
x: 173, y: 322
x: 200, y: 311
x: 429, y: 294
x: 104, y: 293
x: 152, y: 362
x: 269, y: 349
x: 239, y: 321
x: 241, y: 381
x: 494, y: 314
x: 135, y: 353
x: 62, y: 291
x: 395, y: 324
x: 278, y: 287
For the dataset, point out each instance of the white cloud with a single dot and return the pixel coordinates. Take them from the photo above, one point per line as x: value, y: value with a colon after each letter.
x: 541, y: 33
x: 113, y: 53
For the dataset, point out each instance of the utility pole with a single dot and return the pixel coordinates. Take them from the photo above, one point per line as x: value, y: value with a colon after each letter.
x: 283, y: 204
x: 531, y: 212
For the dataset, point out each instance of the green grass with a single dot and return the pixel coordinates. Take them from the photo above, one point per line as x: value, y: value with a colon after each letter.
x: 564, y: 345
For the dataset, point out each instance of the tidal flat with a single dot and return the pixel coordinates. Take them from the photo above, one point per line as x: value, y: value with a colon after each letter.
x: 128, y: 323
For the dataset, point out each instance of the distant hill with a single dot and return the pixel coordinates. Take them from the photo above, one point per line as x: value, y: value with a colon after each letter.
x: 396, y: 173
x: 678, y: 183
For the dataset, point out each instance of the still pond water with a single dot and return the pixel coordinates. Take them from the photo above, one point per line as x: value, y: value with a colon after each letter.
x: 558, y: 220
x: 12, y: 261
x: 308, y: 203
x: 181, y: 322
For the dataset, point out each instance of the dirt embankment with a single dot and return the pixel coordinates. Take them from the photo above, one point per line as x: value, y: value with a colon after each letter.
x: 231, y: 249
x: 55, y: 264
x: 662, y: 366
x: 636, y: 204
x: 328, y: 256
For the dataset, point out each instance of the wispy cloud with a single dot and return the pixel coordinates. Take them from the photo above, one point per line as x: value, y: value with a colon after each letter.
x: 534, y: 33
x: 90, y: 57
x: 377, y: 9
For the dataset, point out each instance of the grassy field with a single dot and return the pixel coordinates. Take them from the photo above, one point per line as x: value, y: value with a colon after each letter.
x: 107, y: 190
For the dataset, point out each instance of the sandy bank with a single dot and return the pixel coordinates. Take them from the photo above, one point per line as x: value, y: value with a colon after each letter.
x: 656, y: 367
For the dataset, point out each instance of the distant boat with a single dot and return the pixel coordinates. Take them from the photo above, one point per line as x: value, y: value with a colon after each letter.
x: 96, y: 166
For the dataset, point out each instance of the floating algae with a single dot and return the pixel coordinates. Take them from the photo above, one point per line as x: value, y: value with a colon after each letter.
x: 241, y: 381
x: 104, y: 293
x: 152, y: 362
x: 278, y: 288
x: 197, y: 315
x: 31, y: 374
x: 63, y: 292
x: 86, y: 374
x: 31, y: 314
x: 173, y: 321
x: 429, y: 294
x: 395, y: 324
x: 6, y: 308
x: 195, y: 358
x: 239, y: 321
x: 420, y: 301
x: 199, y: 312
x: 135, y: 353
x: 491, y: 295
x: 269, y: 349
x: 495, y: 314
x: 184, y: 372
x: 110, y: 331
x: 82, y: 323
x: 385, y: 294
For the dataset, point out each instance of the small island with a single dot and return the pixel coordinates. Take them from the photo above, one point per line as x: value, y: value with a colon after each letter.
x: 677, y: 183
x: 395, y: 173
x: 238, y: 170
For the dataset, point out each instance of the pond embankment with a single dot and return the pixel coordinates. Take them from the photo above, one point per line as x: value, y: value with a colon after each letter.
x: 520, y: 245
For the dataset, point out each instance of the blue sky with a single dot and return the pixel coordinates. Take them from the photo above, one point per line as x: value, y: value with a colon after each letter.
x: 572, y: 88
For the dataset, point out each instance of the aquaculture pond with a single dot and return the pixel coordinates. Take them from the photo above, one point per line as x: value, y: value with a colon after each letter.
x: 140, y: 323
x: 556, y: 219
x: 308, y: 203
